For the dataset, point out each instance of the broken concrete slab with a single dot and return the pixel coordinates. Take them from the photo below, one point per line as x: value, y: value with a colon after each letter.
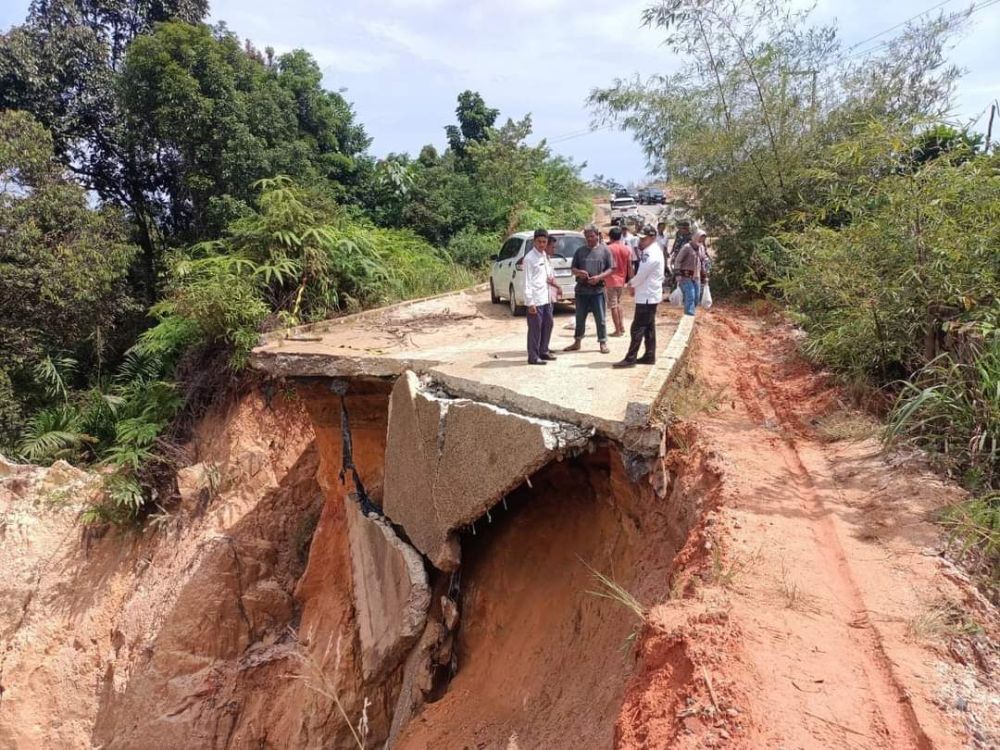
x: 391, y: 593
x: 475, y: 349
x: 454, y: 458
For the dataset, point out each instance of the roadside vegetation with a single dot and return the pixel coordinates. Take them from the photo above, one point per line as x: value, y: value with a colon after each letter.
x: 838, y: 186
x: 168, y: 192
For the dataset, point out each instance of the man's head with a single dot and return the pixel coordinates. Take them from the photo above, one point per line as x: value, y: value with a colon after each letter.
x: 591, y: 235
x: 684, y: 227
x: 625, y: 229
x: 541, y: 240
x: 647, y: 236
x: 615, y: 234
x: 661, y: 227
x: 550, y: 245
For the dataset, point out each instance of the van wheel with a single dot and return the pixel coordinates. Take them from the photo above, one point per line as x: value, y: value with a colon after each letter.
x: 494, y: 297
x: 515, y: 309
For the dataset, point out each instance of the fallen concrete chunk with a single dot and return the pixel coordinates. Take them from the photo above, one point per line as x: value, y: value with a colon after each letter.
x: 391, y: 595
x: 453, y: 459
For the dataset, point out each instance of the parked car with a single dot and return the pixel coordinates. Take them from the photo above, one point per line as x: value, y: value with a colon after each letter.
x: 507, y: 274
x: 624, y: 209
x: 650, y: 196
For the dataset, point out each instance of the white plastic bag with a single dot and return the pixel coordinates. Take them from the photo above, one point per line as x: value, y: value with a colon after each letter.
x: 676, y: 297
x: 706, y: 296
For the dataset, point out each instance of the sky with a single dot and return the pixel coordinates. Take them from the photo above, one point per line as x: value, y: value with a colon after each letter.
x: 403, y: 62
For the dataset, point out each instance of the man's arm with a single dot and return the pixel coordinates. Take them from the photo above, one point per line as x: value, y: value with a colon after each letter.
x: 609, y: 268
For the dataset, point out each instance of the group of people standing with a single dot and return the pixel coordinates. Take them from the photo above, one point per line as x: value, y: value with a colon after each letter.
x: 604, y: 272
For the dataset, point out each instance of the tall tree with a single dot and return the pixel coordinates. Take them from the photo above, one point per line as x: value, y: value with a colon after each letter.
x: 474, y: 122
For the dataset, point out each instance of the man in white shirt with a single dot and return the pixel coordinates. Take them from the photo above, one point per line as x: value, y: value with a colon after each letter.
x: 538, y: 278
x: 647, y: 287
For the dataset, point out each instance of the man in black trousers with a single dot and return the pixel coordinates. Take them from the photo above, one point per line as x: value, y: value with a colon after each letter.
x: 647, y: 287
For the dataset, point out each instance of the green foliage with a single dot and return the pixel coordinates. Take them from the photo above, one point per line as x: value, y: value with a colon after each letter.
x: 750, y: 118
x: 473, y: 249
x: 300, y: 259
x: 495, y: 183
x: 209, y: 119
x: 953, y: 409
x: 65, y: 307
x: 975, y: 525
x: 475, y: 120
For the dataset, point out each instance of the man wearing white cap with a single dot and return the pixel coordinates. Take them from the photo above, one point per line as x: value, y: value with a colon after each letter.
x: 647, y: 287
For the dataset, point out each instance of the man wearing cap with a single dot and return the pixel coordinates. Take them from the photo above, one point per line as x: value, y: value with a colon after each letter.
x: 592, y: 264
x: 681, y: 237
x: 537, y: 279
x: 647, y: 286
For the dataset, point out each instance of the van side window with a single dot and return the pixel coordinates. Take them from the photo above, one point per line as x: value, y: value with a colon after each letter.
x: 510, y: 248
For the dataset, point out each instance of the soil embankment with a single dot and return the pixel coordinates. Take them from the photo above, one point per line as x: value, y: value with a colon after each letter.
x: 789, y: 589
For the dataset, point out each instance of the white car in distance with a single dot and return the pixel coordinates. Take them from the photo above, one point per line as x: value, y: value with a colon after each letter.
x: 624, y: 209
x: 507, y: 274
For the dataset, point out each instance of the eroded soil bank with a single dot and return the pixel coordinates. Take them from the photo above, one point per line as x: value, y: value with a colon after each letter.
x: 235, y: 620
x: 787, y: 590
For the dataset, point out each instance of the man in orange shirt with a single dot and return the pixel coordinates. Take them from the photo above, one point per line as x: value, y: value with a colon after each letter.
x: 614, y: 287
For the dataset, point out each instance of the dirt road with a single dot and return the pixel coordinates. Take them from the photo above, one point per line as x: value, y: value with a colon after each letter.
x: 814, y: 609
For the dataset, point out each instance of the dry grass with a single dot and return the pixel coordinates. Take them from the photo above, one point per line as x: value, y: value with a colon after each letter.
x: 846, y: 425
x: 315, y: 678
x: 942, y: 622
x: 725, y: 572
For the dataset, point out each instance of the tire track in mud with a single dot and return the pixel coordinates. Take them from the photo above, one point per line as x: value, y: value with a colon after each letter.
x: 893, y: 716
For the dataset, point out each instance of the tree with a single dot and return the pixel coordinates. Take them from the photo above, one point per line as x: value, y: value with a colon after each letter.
x: 772, y: 93
x: 63, y: 270
x: 171, y: 120
x: 474, y: 122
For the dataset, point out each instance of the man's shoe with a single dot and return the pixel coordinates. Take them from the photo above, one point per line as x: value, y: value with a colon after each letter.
x: 624, y: 363
x: 549, y: 357
x: 538, y: 362
x: 646, y: 360
x: 604, y: 348
x: 574, y: 347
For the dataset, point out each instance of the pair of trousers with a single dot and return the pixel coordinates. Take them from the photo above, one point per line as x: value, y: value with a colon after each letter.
x: 587, y: 303
x: 539, y: 332
x: 689, y: 289
x: 643, y: 330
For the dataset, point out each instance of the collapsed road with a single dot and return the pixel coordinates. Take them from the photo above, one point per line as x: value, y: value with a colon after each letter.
x: 406, y: 538
x: 442, y: 425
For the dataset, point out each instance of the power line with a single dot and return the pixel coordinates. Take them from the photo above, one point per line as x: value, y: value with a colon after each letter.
x: 882, y: 45
x: 901, y: 23
x: 577, y: 134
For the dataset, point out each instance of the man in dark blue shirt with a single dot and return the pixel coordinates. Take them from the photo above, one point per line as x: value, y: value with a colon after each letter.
x: 592, y: 264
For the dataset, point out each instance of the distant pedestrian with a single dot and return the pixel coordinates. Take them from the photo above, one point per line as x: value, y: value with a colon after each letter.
x: 699, y: 240
x: 537, y: 277
x: 661, y: 236
x: 592, y: 264
x: 681, y: 237
x: 687, y: 270
x: 615, y: 285
x: 647, y: 286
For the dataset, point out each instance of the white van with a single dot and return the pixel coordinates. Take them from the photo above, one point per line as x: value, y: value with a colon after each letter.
x: 624, y: 209
x: 507, y: 274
